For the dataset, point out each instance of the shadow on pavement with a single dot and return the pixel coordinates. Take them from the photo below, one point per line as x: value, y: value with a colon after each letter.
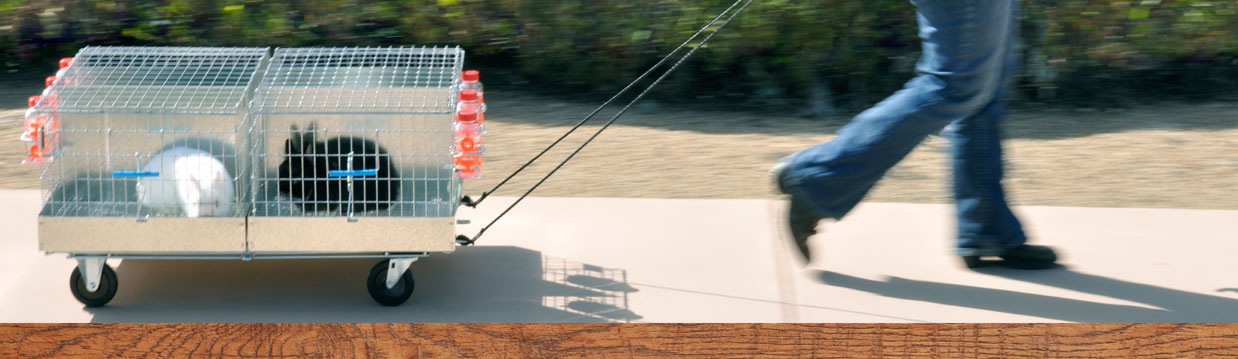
x: 1171, y: 305
x: 473, y: 284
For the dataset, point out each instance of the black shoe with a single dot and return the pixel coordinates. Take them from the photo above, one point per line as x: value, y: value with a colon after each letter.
x: 1021, y: 257
x: 801, y: 220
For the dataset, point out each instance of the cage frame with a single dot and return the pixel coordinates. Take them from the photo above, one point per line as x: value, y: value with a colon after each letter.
x: 282, y: 233
x: 144, y: 237
x: 95, y: 83
x: 92, y: 240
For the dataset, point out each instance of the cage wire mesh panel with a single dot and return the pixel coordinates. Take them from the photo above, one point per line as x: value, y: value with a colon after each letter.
x: 362, y: 132
x: 150, y: 132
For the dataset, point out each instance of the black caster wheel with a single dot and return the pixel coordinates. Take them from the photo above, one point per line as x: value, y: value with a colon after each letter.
x: 377, y: 284
x: 101, y: 295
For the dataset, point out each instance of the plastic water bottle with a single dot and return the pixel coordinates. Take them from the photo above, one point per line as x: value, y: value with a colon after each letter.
x: 64, y: 63
x: 32, y: 126
x: 468, y: 101
x: 34, y: 133
x: 471, y: 80
x: 33, y: 120
x: 468, y: 132
x: 49, y: 96
x: 468, y: 147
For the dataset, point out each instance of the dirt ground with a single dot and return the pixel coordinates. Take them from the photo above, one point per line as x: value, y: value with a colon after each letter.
x: 1176, y: 155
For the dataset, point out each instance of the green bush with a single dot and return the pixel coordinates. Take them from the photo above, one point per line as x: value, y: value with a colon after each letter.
x: 858, y: 50
x: 1187, y: 47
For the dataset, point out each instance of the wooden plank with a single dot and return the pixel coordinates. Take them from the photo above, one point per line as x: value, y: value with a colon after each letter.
x: 622, y: 340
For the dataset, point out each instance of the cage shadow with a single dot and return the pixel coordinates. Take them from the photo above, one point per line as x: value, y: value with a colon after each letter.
x: 474, y: 284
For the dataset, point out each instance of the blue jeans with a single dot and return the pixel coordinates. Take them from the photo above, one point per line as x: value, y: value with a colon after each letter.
x: 962, y: 80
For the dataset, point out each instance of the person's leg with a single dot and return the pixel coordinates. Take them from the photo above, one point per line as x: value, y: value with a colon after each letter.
x: 959, y: 73
x: 986, y: 225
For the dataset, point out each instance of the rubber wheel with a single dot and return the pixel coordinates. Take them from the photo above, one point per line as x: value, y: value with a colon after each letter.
x: 377, y: 284
x: 101, y: 295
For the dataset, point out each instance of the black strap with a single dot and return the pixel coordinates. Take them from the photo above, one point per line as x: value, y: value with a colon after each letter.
x: 466, y: 241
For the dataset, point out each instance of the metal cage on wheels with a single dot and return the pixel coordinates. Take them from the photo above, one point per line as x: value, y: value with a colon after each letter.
x: 353, y: 155
x: 184, y: 153
x: 147, y: 156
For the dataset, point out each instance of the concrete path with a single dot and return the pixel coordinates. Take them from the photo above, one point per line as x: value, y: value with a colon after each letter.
x: 656, y: 260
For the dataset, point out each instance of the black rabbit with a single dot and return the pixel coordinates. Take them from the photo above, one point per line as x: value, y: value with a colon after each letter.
x: 304, y: 173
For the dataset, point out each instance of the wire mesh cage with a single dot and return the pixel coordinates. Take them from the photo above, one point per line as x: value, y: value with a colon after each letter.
x: 357, y: 132
x: 150, y: 132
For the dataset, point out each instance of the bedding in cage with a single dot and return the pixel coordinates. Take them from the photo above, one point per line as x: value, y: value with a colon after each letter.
x: 353, y: 150
x: 137, y: 143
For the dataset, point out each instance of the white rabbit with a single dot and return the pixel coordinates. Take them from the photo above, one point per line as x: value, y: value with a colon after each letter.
x: 188, y: 179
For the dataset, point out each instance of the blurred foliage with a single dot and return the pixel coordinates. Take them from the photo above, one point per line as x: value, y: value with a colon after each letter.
x: 859, y: 50
x: 1115, y: 48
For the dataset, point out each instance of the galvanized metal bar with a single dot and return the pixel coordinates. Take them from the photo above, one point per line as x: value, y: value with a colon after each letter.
x: 244, y: 256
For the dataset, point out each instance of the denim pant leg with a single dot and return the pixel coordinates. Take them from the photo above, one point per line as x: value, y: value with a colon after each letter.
x: 986, y: 225
x: 959, y: 74
x: 834, y: 176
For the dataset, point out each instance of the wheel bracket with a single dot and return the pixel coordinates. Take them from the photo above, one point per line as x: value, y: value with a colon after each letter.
x: 91, y: 269
x: 396, y: 268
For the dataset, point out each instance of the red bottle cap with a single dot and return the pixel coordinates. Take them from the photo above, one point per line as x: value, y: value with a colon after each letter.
x: 47, y: 82
x: 64, y: 62
x: 466, y: 116
x: 32, y: 100
x: 470, y: 75
x: 468, y: 95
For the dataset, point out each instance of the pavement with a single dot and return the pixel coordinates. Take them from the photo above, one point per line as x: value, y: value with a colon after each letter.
x: 664, y: 260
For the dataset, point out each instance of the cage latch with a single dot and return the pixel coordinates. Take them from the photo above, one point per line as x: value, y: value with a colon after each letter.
x: 349, y: 174
x: 133, y: 174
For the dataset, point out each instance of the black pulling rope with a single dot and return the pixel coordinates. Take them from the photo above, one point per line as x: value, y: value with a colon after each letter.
x: 461, y: 239
x: 469, y: 201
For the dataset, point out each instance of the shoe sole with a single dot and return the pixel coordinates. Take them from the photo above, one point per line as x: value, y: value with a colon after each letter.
x: 974, y: 262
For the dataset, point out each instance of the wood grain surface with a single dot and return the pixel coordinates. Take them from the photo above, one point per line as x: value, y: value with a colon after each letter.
x: 620, y: 340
